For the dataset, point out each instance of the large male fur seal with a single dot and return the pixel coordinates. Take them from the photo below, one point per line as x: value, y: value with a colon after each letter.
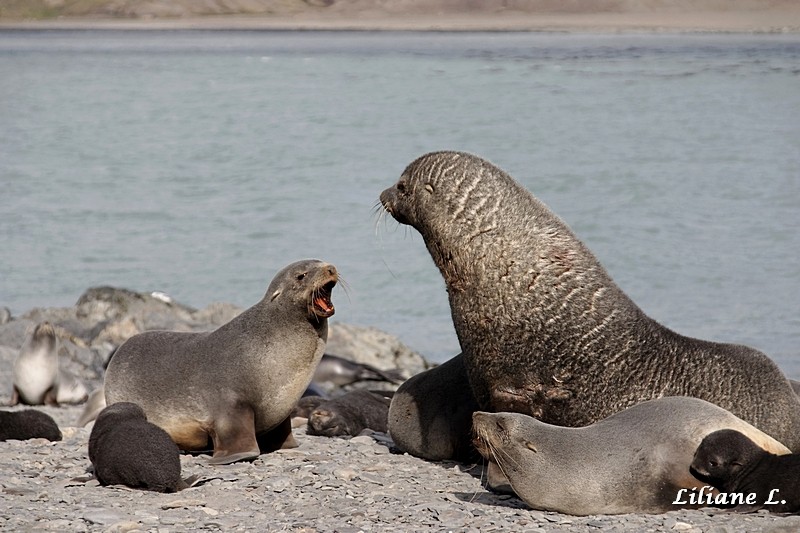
x: 635, y: 461
x: 731, y: 462
x: 236, y: 385
x: 126, y: 449
x: 544, y: 330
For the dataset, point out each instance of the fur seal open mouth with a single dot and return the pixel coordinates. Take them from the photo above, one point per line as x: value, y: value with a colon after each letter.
x: 321, y: 304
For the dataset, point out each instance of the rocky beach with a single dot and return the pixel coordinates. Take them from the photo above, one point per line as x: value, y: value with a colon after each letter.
x: 326, y: 484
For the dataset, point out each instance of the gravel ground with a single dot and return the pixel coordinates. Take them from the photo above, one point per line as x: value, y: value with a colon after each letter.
x: 323, y: 485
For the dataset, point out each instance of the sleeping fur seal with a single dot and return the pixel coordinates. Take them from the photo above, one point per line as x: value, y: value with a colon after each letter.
x: 732, y: 463
x: 236, y: 385
x: 544, y: 330
x: 635, y: 461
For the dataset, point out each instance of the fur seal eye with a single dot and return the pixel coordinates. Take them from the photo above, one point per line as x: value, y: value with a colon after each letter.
x: 301, y: 277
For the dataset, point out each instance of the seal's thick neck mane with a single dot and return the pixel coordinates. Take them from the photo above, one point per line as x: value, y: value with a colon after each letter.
x: 476, y: 219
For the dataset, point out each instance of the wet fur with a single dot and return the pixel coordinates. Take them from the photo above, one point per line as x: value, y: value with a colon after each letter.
x: 543, y: 328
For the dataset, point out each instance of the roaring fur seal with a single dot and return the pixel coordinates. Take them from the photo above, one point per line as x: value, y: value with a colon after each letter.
x: 544, y: 330
x: 634, y: 461
x: 28, y: 424
x: 36, y: 369
x: 431, y: 414
x: 126, y: 449
x: 236, y: 385
x: 350, y: 414
x: 732, y: 463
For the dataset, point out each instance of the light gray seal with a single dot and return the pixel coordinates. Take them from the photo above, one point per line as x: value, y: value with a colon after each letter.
x: 543, y: 328
x: 237, y: 385
x: 635, y: 461
x: 36, y: 369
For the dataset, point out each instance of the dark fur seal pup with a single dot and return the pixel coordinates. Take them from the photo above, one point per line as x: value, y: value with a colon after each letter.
x: 236, y: 385
x: 733, y: 463
x: 431, y: 414
x: 28, y: 424
x: 36, y: 368
x: 543, y: 328
x: 126, y: 449
x: 635, y: 461
x: 350, y: 414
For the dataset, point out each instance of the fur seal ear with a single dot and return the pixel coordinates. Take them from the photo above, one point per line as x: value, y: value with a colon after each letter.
x: 429, y: 188
x: 275, y: 295
x: 530, y: 446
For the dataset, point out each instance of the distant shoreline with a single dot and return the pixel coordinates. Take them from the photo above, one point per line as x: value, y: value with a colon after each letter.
x: 774, y: 21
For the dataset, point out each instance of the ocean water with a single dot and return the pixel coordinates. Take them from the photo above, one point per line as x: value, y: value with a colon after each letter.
x: 200, y: 163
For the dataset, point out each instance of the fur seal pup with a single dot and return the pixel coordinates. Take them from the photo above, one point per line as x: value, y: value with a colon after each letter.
x: 732, y: 463
x: 236, y: 385
x: 543, y: 328
x: 634, y: 461
x: 126, y: 449
x: 431, y: 414
x: 349, y: 414
x: 28, y: 424
x: 36, y: 369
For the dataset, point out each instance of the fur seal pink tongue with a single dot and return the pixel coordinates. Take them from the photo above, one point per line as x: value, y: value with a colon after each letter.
x: 323, y: 307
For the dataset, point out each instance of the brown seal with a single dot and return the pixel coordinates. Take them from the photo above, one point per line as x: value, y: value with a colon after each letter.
x: 544, y: 330
x: 732, y: 463
x: 126, y: 449
x: 236, y: 385
x: 635, y: 461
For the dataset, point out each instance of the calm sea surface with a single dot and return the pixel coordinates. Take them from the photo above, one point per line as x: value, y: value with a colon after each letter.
x: 200, y: 163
